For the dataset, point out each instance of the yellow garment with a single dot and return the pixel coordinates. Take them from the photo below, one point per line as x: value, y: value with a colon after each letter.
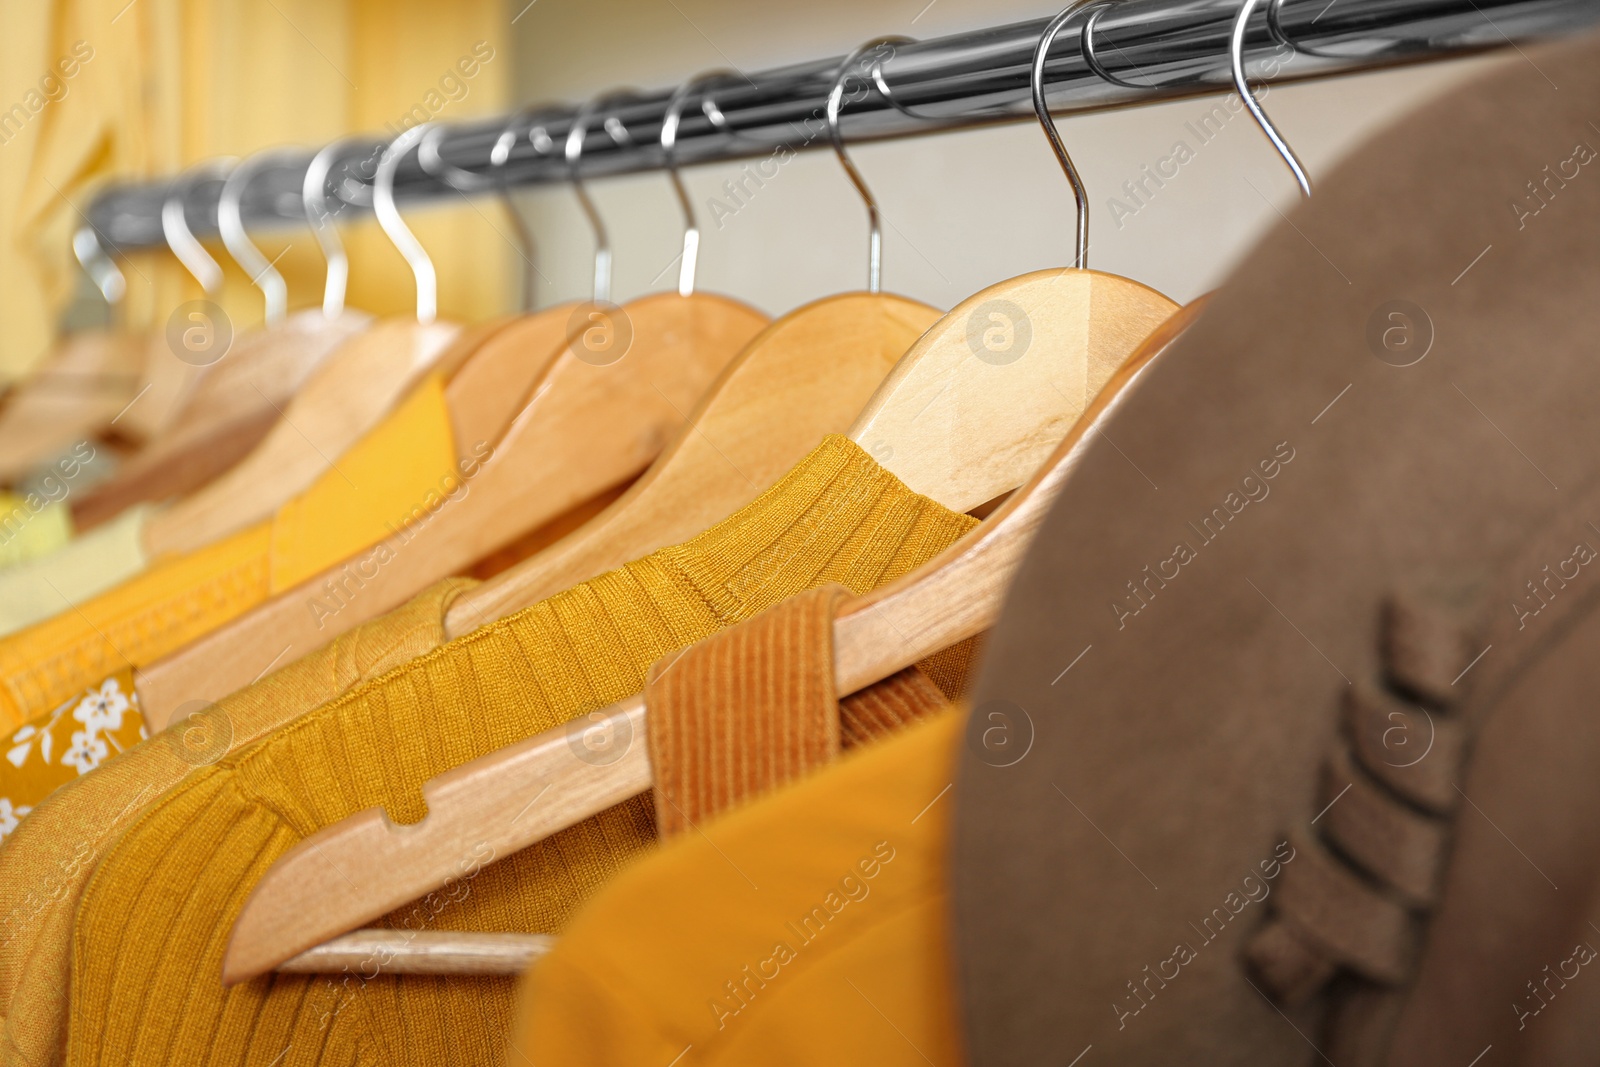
x: 841, y: 956
x: 69, y: 741
x: 47, y: 861
x: 373, y: 489
x: 158, y: 85
x: 84, y: 567
x: 31, y: 527
x: 154, y: 920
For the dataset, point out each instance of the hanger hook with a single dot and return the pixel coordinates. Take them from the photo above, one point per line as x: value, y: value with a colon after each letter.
x: 175, y: 226
x: 100, y: 267
x: 835, y: 105
x: 669, y: 143
x: 1241, y: 83
x: 395, y: 228
x: 1041, y: 53
x: 314, y: 196
x: 574, y: 153
x: 499, y: 155
x: 230, y: 223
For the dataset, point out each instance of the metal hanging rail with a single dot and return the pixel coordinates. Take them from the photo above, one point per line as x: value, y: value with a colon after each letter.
x: 1137, y: 51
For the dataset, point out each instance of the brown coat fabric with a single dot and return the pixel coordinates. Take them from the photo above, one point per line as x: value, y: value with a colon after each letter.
x: 742, y: 713
x: 1320, y: 787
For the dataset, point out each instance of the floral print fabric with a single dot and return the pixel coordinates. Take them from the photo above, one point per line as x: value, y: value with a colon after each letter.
x: 71, y: 739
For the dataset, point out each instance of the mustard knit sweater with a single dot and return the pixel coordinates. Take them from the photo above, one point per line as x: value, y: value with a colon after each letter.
x: 155, y: 918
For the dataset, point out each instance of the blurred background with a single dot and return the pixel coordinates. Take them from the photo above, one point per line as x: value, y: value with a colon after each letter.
x: 161, y: 84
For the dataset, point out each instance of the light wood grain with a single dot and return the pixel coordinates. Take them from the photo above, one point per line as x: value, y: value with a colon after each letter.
x: 805, y: 376
x: 985, y: 396
x: 355, y: 388
x: 86, y: 380
x: 369, y: 953
x: 358, y: 869
x: 583, y: 429
x: 536, y: 787
x: 166, y: 385
x: 255, y: 379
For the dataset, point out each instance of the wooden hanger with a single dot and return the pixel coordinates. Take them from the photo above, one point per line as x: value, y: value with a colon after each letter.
x: 230, y: 412
x: 82, y: 385
x: 803, y: 377
x: 234, y: 406
x: 351, y: 393
x: 102, y: 379
x: 611, y: 393
x: 807, y: 375
x: 990, y: 391
x: 358, y: 385
x: 310, y: 894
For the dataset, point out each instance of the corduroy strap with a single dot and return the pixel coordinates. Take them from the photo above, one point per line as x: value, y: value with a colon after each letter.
x: 744, y: 712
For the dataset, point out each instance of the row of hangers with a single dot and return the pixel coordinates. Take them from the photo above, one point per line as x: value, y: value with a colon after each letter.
x: 899, y: 379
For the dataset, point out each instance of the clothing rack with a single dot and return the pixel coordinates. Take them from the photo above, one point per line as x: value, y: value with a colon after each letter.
x: 1136, y: 51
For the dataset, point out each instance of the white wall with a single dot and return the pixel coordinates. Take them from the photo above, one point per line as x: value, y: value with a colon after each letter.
x: 961, y: 210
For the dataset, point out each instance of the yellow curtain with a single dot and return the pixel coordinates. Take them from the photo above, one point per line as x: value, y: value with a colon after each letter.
x: 94, y: 90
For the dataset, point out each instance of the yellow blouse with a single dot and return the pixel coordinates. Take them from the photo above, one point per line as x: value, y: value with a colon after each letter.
x: 843, y: 956
x: 372, y: 490
x: 190, y: 860
x: 36, y: 589
x: 47, y: 860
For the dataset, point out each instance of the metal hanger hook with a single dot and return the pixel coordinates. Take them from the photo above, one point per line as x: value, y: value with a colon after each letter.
x: 1080, y: 195
x: 230, y: 222
x: 395, y: 228
x: 107, y: 276
x: 314, y: 196
x: 1241, y: 83
x: 669, y: 143
x: 175, y: 226
x: 499, y: 155
x: 835, y: 106
x: 574, y: 154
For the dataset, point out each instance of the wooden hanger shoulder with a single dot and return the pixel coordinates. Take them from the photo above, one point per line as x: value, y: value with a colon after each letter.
x: 88, y: 379
x: 589, y: 424
x: 247, y: 389
x: 304, y: 899
x: 264, y: 367
x: 355, y: 388
x: 986, y: 394
x: 803, y: 377
x: 958, y: 593
x: 488, y: 390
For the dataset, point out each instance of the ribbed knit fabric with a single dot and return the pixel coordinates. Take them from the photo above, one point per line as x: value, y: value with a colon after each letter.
x: 156, y: 916
x: 753, y: 708
x: 841, y: 957
x: 396, y: 471
x: 46, y: 862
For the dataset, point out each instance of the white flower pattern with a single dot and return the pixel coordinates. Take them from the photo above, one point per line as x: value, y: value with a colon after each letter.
x: 110, y: 719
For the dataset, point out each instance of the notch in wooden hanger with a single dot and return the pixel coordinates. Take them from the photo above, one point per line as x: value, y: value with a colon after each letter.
x: 1089, y: 324
x: 296, y: 913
